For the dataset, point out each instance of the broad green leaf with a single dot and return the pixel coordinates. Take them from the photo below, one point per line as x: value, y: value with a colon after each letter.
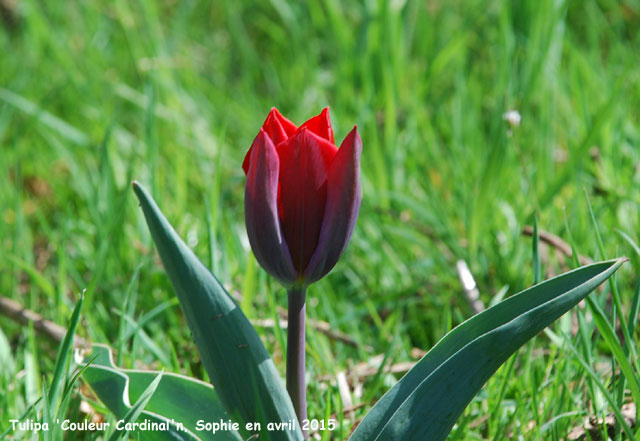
x: 428, y: 400
x: 137, y: 408
x: 179, y: 398
x: 245, y: 377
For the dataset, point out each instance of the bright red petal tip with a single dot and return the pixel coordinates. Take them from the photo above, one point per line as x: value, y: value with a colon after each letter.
x: 278, y: 128
x: 321, y: 125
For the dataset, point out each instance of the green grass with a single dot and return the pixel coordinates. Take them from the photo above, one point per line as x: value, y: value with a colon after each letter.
x: 94, y: 94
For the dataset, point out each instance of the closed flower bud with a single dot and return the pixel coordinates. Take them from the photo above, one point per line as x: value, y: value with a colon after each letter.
x: 302, y: 197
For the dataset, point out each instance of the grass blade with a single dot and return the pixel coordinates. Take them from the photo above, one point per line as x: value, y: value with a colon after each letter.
x: 57, y: 383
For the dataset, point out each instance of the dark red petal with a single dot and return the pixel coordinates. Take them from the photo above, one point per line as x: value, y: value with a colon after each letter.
x: 344, y: 194
x: 304, y: 165
x: 277, y: 127
x: 321, y: 126
x: 261, y: 211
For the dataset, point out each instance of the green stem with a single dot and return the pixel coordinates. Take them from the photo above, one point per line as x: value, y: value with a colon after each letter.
x: 296, y: 353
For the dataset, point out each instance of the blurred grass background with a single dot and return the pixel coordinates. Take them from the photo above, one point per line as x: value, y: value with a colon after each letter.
x: 171, y: 93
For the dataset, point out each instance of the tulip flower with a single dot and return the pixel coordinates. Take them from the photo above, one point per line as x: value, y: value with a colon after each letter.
x: 302, y: 199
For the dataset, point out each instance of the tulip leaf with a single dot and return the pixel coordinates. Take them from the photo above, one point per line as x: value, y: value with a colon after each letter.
x: 137, y: 409
x: 429, y: 399
x: 181, y: 399
x: 245, y: 377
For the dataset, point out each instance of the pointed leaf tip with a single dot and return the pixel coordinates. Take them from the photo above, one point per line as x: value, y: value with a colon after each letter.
x: 429, y: 399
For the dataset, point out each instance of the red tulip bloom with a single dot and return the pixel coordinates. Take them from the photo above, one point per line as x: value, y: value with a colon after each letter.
x: 302, y: 197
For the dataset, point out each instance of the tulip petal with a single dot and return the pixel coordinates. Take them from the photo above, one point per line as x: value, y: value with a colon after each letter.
x: 344, y: 194
x: 321, y: 126
x: 277, y: 127
x: 304, y: 167
x: 261, y: 211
